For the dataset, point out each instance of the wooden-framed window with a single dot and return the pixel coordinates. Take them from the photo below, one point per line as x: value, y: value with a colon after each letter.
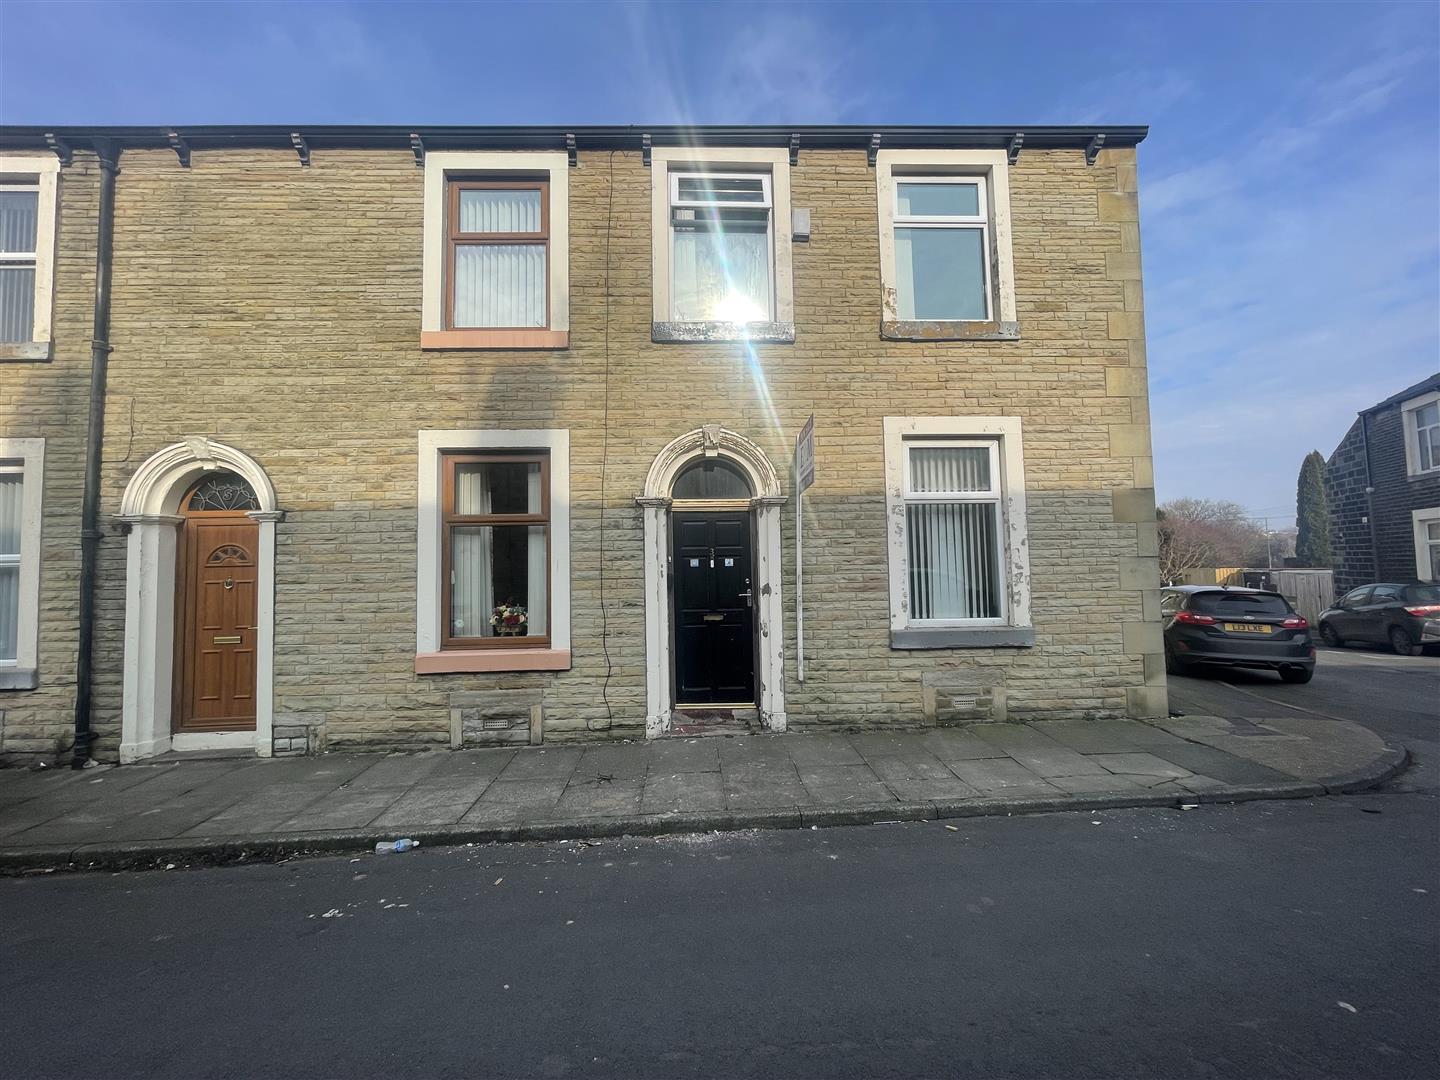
x: 497, y: 254
x: 495, y: 550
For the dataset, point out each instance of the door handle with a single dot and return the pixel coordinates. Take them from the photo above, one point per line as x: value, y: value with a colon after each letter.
x: 748, y: 594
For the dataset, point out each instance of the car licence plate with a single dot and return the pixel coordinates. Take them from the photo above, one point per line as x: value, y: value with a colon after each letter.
x: 1246, y: 628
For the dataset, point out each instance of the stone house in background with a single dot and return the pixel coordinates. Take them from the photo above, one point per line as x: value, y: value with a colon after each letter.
x: 1383, y: 488
x: 484, y: 435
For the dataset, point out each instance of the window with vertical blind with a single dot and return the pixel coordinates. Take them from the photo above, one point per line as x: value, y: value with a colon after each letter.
x: 952, y: 524
x: 495, y: 549
x: 955, y: 504
x: 21, y: 462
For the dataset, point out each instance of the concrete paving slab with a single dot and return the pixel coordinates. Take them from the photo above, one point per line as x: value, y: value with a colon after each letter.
x: 683, y: 792
x: 1091, y: 784
x: 488, y: 763
x: 1208, y: 761
x: 1310, y: 747
x: 766, y: 750
x: 629, y: 762
x: 1140, y: 764
x: 616, y: 798
x: 1012, y: 737
x: 880, y: 744
x: 755, y: 786
x: 397, y: 770
x: 1002, y: 776
x: 844, y: 784
x: 668, y: 756
x: 955, y: 745
x: 1057, y: 762
x: 543, y: 763
x: 923, y: 789
x: 1088, y: 736
x: 823, y: 750
x: 439, y: 802
x: 919, y: 766
x: 355, y: 809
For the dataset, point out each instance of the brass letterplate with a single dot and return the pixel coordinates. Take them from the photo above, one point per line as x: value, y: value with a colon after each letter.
x: 717, y: 617
x: 231, y: 639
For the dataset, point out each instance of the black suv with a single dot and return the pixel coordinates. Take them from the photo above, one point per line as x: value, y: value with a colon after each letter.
x: 1216, y: 625
x: 1405, y: 617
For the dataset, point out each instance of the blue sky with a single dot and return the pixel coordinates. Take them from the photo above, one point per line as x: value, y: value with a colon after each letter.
x: 1290, y: 188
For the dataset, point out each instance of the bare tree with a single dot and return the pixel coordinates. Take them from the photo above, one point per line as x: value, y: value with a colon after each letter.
x: 1206, y: 532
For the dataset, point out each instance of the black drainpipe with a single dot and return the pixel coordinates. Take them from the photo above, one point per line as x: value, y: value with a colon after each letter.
x: 1370, y: 499
x: 109, y: 154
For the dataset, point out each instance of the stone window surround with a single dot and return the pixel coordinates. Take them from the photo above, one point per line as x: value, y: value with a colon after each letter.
x: 430, y: 658
x: 22, y: 673
x: 994, y: 166
x: 655, y: 503
x: 1412, y: 450
x: 439, y: 166
x: 45, y: 169
x: 150, y: 512
x: 683, y: 158
x: 1016, y: 630
x: 1418, y: 520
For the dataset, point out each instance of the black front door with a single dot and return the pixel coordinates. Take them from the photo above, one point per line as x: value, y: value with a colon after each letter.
x: 714, y: 608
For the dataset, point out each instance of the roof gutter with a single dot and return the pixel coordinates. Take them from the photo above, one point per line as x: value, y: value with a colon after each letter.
x: 109, y: 153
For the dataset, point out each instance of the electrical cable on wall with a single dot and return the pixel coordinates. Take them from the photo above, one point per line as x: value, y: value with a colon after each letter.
x: 605, y: 446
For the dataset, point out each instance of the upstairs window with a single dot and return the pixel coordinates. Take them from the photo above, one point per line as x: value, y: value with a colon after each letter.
x: 942, y: 249
x: 946, y: 267
x: 28, y: 189
x: 1422, y: 434
x: 495, y: 264
x: 19, y: 230
x: 720, y: 247
x: 498, y: 255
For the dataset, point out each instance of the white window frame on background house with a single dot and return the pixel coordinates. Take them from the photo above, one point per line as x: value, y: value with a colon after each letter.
x: 1002, y: 437
x: 39, y: 173
x: 1421, y: 442
x: 431, y: 655
x: 26, y: 458
x: 668, y: 165
x: 444, y: 167
x: 989, y: 170
x: 1425, y: 560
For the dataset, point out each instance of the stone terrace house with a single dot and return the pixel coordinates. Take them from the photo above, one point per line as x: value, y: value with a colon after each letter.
x: 1382, y: 485
x: 469, y: 436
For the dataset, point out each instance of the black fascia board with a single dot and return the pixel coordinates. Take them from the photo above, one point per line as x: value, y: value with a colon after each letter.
x: 813, y: 137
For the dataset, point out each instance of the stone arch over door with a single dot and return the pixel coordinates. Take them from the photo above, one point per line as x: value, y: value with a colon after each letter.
x: 655, y: 502
x: 150, y: 512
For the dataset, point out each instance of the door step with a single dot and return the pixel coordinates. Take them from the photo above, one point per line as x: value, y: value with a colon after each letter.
x: 690, y: 722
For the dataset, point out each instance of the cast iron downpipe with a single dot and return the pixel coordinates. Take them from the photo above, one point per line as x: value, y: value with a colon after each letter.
x: 109, y: 154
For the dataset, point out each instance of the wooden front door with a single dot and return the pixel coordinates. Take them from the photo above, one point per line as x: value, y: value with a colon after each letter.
x: 215, y: 623
x: 714, y: 608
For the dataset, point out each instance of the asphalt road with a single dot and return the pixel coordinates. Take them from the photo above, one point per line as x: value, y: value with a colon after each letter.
x: 1265, y: 940
x: 1398, y: 697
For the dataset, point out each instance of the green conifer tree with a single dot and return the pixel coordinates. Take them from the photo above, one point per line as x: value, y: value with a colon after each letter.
x: 1312, y: 515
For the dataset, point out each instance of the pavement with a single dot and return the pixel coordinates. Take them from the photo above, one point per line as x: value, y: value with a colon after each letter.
x: 230, y: 809
x: 1289, y: 940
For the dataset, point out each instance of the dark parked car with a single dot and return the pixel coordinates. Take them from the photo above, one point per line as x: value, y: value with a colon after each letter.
x: 1214, y: 625
x: 1405, y: 617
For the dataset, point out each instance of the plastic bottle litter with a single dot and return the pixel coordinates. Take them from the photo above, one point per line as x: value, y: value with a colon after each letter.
x: 385, y: 847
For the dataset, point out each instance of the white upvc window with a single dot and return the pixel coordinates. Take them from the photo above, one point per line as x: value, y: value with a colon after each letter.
x: 1427, y: 543
x: 942, y: 248
x: 946, y: 268
x: 955, y: 507
x: 1422, y: 434
x: 27, y: 254
x: 721, y: 252
x: 721, y: 247
x: 21, y: 466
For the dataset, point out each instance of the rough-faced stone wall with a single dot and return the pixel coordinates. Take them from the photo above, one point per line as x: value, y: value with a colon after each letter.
x: 277, y: 308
